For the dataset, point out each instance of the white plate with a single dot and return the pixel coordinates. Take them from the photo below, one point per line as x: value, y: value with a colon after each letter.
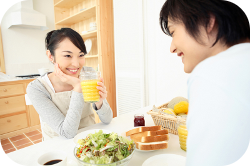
x: 143, y: 150
x: 88, y: 44
x: 165, y: 160
x: 84, y: 134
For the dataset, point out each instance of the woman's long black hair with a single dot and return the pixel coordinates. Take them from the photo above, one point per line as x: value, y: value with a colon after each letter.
x: 53, y: 38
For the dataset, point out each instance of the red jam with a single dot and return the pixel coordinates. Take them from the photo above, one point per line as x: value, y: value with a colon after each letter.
x: 139, y: 120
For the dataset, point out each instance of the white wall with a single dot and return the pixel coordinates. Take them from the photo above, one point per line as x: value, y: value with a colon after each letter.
x: 129, y: 60
x: 165, y: 71
x: 24, y: 49
x: 5, y: 5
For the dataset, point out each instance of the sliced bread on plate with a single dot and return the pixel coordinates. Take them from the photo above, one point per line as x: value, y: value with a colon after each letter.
x: 142, y: 129
x: 148, y: 133
x: 151, y: 145
x: 156, y: 138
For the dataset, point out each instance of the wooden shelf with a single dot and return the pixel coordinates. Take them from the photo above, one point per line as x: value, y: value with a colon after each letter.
x: 89, y: 34
x: 67, y: 3
x: 91, y: 56
x: 82, y: 15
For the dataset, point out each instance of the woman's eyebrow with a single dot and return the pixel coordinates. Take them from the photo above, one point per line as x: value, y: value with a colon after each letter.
x: 71, y: 52
x: 67, y: 51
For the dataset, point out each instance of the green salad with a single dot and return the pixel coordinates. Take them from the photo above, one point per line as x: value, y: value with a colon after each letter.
x: 101, y: 148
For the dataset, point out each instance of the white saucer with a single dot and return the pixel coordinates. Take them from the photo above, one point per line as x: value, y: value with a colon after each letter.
x: 165, y: 160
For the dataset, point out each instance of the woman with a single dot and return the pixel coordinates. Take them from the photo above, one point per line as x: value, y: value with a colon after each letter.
x: 57, y: 96
x: 213, y: 39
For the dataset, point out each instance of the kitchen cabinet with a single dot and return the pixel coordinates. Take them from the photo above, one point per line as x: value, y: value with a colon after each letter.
x: 78, y: 15
x: 15, y: 116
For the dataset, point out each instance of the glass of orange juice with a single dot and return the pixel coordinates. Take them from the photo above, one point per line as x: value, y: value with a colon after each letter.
x: 182, y: 132
x: 89, y: 85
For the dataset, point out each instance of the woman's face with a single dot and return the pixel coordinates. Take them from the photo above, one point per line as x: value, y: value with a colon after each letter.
x: 70, y: 58
x: 187, y: 47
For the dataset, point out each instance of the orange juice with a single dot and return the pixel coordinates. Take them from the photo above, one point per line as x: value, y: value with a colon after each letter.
x: 89, y: 90
x: 182, y: 132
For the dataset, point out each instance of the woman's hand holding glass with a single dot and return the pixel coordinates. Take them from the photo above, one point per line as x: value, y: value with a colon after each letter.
x: 103, y: 93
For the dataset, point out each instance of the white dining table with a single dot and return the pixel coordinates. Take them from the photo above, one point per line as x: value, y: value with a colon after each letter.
x: 28, y: 156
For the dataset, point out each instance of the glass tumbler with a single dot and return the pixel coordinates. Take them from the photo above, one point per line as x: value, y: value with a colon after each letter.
x: 182, y: 132
x: 89, y: 85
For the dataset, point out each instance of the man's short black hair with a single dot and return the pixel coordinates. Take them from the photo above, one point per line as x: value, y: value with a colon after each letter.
x: 232, y: 22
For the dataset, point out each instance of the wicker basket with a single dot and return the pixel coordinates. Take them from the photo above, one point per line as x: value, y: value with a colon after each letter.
x: 166, y: 121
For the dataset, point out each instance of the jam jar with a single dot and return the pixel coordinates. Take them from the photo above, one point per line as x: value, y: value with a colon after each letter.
x: 139, y: 120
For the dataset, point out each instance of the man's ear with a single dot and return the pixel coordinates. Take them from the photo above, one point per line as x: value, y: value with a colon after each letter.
x: 50, y: 56
x: 211, y: 24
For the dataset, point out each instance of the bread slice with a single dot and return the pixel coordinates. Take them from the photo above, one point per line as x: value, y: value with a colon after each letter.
x: 152, y: 145
x: 155, y: 138
x: 148, y: 133
x: 142, y: 129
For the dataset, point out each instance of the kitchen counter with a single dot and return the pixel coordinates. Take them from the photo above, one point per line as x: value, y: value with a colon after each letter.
x: 15, y: 116
x: 28, y: 156
x: 8, y: 78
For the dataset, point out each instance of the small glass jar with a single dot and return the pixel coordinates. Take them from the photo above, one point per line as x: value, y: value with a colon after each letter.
x: 139, y: 120
x: 182, y: 132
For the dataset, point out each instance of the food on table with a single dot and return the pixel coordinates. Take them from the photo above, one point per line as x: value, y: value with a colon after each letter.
x: 139, y: 120
x: 169, y: 111
x: 148, y: 133
x: 149, y: 138
x: 142, y: 129
x: 155, y: 138
x: 152, y: 145
x: 182, y: 132
x: 101, y: 148
x: 176, y: 100
x: 155, y: 109
x: 181, y: 107
x: 89, y: 90
x: 176, y: 107
x: 183, y: 115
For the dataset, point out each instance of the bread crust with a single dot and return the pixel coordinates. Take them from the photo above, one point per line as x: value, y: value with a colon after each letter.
x: 150, y: 146
x: 150, y: 136
x: 156, y: 138
x: 148, y: 133
x: 142, y: 129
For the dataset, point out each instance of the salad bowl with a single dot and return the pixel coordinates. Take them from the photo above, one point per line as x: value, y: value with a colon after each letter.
x: 104, y: 149
x: 123, y: 162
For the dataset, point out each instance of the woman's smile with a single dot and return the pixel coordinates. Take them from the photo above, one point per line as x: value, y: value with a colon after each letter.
x: 73, y: 71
